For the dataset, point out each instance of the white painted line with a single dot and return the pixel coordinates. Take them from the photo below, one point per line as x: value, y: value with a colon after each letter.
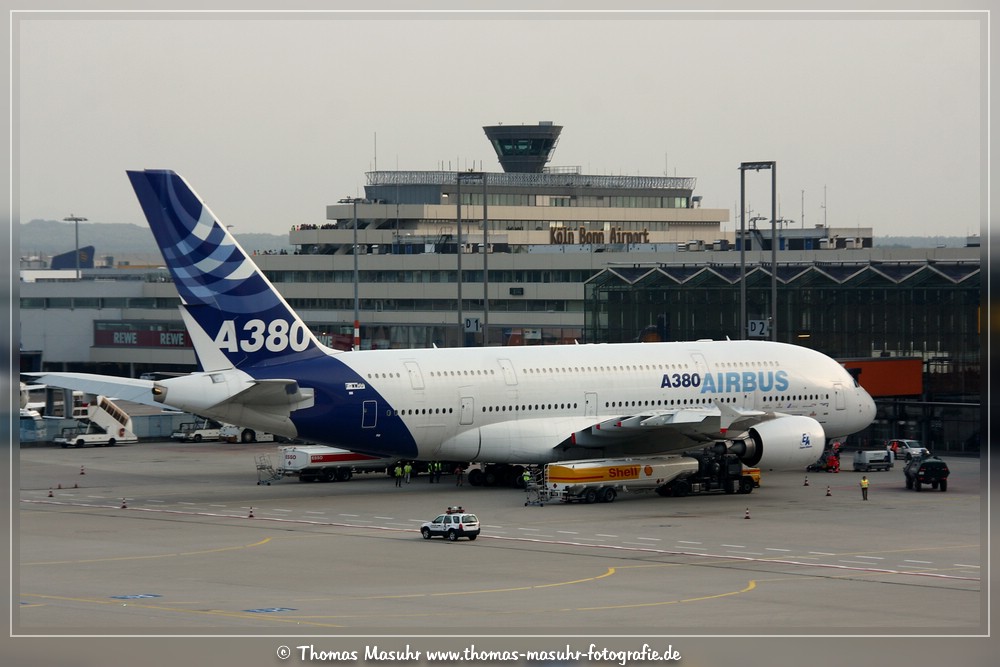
x: 746, y: 553
x: 312, y: 512
x: 529, y: 528
x: 821, y: 553
x: 637, y: 544
x: 923, y: 562
x: 184, y: 503
x: 567, y: 532
x: 735, y: 546
x: 871, y: 557
x: 963, y: 565
x: 772, y: 549
x: 217, y: 506
x: 347, y: 515
x: 649, y: 539
x: 385, y: 517
x: 854, y: 562
x: 686, y: 542
x: 280, y: 510
x: 603, y: 535
x: 148, y: 501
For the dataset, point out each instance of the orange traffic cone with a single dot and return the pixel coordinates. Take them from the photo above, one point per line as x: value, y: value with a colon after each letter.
x: 747, y: 515
x: 81, y: 471
x: 806, y: 483
x: 828, y: 491
x: 124, y: 506
x: 251, y: 513
x: 50, y: 493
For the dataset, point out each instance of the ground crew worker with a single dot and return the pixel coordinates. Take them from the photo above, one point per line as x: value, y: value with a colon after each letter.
x: 864, y: 487
x: 526, y: 477
x: 430, y: 472
x: 407, y: 469
x: 399, y: 475
x: 458, y: 476
x: 437, y: 472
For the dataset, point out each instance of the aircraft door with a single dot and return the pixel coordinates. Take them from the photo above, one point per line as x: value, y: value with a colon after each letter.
x: 468, y: 410
x: 416, y: 377
x: 590, y: 404
x: 838, y: 396
x: 369, y: 414
x: 509, y: 376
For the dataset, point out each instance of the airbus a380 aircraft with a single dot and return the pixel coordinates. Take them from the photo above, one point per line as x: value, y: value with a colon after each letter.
x: 772, y: 404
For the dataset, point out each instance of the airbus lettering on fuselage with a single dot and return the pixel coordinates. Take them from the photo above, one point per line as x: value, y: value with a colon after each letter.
x: 728, y: 382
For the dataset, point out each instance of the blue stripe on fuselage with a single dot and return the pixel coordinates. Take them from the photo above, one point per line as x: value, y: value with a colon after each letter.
x: 336, y: 418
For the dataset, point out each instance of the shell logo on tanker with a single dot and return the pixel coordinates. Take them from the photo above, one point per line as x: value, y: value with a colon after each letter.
x: 627, y: 472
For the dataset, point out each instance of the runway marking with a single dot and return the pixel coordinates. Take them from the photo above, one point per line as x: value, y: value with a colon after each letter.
x: 198, y: 612
x: 532, y: 538
x: 609, y: 572
x: 151, y: 556
x: 751, y: 585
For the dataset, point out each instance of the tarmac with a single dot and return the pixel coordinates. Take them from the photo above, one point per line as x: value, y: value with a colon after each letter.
x: 163, y: 539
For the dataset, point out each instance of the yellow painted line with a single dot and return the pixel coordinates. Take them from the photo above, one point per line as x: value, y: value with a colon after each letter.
x: 153, y: 556
x: 750, y: 586
x: 610, y: 572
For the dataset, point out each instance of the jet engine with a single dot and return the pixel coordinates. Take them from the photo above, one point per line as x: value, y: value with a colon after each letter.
x: 784, y: 443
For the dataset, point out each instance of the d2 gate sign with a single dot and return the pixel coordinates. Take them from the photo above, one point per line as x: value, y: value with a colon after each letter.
x: 759, y: 328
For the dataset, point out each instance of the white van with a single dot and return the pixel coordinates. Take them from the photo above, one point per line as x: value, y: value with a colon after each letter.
x: 872, y: 459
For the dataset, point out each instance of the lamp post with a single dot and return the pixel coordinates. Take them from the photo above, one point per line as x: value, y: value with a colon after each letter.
x: 357, y: 319
x: 76, y: 220
x: 757, y: 166
x: 468, y: 177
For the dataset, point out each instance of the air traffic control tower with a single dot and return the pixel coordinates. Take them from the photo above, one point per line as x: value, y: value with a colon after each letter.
x: 524, y: 148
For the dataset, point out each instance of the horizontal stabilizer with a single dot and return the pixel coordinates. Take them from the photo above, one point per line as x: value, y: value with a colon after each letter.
x: 274, y: 393
x: 126, y: 389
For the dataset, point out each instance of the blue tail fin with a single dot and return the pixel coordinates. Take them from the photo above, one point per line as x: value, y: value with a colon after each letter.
x: 243, y: 320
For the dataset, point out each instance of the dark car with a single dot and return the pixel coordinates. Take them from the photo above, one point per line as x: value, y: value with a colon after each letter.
x: 926, y: 470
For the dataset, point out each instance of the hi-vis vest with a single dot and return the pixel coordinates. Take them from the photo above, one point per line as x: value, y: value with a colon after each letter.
x: 864, y: 484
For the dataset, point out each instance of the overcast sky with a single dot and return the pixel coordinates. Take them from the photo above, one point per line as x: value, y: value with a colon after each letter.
x: 272, y: 120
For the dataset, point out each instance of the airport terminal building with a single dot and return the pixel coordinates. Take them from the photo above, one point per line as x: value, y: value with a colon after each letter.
x: 551, y: 255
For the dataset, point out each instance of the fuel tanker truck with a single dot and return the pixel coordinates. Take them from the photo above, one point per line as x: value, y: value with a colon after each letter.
x: 601, y: 480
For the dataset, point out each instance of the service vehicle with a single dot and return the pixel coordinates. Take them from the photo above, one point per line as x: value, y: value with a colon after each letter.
x: 232, y: 433
x: 453, y: 524
x: 907, y: 449
x: 319, y: 463
x: 601, y: 480
x: 105, y: 425
x: 203, y: 429
x: 872, y: 459
x: 926, y: 470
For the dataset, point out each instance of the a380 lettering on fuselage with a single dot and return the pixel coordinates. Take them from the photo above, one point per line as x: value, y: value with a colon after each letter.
x: 728, y: 382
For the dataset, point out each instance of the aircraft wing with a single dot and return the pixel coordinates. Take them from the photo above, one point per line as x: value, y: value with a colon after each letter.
x: 126, y: 389
x: 672, y: 428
